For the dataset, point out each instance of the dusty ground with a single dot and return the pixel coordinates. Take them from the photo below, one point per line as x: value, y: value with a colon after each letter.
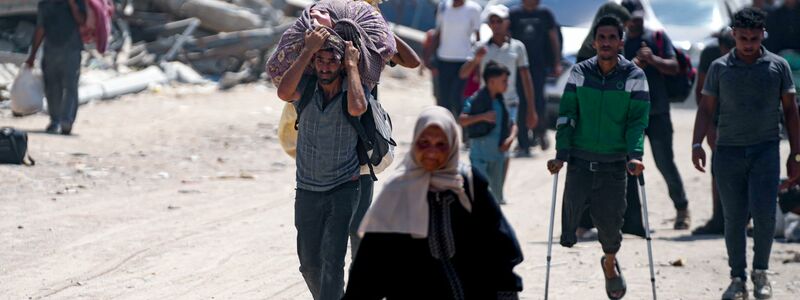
x: 185, y: 194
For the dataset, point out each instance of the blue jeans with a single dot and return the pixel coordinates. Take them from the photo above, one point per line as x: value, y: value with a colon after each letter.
x: 322, y: 220
x: 747, y: 179
x: 494, y: 170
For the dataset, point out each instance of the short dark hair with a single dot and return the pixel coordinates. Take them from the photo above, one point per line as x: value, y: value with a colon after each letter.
x: 494, y: 69
x: 725, y: 38
x: 608, y: 20
x: 750, y: 18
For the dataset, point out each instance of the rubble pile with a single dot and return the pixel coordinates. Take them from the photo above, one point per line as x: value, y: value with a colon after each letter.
x: 222, y: 42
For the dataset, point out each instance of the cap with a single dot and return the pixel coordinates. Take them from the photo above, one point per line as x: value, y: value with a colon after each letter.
x: 634, y: 7
x: 496, y: 10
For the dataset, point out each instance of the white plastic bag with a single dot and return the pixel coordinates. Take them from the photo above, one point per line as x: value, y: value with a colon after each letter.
x: 27, y: 91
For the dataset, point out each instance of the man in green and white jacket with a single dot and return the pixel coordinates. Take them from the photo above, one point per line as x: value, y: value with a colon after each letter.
x: 600, y: 135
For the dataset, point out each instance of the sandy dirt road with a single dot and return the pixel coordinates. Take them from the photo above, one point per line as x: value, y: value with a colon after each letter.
x: 186, y: 194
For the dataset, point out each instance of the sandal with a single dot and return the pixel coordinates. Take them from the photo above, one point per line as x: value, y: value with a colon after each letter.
x: 616, y: 284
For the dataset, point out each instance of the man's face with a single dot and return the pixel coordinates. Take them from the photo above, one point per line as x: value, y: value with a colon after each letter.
x: 607, y: 42
x: 498, y: 84
x: 327, y: 66
x: 321, y: 17
x: 498, y: 25
x: 635, y: 27
x: 748, y: 41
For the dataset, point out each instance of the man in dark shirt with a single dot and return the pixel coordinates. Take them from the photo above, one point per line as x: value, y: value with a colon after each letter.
x: 58, y: 26
x: 751, y: 90
x: 783, y: 26
x: 654, y: 53
x: 536, y: 27
x: 725, y: 43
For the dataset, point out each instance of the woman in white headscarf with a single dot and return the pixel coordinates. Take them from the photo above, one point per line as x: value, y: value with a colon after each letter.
x: 435, y: 232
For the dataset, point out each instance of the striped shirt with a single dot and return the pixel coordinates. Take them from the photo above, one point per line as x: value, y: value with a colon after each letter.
x: 326, y: 144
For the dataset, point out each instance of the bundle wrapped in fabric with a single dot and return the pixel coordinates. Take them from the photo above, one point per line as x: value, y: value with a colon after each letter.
x: 355, y: 21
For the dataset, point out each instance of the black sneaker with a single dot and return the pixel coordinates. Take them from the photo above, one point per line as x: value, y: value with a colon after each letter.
x: 737, y: 290
x: 544, y: 142
x: 66, y: 129
x: 52, y: 128
x: 710, y: 228
x: 762, y: 289
x: 523, y: 153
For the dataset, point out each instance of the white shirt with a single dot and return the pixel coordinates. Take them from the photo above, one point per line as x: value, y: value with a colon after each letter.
x: 512, y: 55
x: 456, y: 26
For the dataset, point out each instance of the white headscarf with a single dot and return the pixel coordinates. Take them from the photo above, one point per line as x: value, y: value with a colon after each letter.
x: 402, y: 206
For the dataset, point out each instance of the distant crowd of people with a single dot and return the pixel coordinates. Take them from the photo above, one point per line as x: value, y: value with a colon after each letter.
x: 438, y: 227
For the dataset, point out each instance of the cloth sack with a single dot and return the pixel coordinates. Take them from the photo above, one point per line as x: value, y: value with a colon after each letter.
x: 27, y: 91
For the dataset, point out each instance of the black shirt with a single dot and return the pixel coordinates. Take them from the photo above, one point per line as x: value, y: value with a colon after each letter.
x: 783, y: 27
x: 533, y: 29
x: 659, y: 102
x: 60, y: 29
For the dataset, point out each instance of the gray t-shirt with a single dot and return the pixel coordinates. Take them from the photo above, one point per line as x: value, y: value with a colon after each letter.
x: 60, y: 29
x: 326, y: 144
x: 749, y: 97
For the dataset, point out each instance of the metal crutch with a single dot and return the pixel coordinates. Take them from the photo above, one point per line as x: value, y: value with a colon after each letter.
x: 550, y: 235
x: 647, y: 233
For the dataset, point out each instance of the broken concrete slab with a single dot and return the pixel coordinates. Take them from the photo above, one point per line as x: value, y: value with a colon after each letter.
x: 215, y: 15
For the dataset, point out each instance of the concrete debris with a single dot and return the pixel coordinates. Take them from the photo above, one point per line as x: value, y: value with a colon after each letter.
x: 157, y: 42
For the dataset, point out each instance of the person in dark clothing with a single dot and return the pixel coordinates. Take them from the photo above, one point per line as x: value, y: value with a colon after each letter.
x: 654, y: 53
x: 600, y: 135
x: 537, y: 28
x: 725, y: 42
x: 587, y: 50
x: 783, y: 26
x: 58, y: 26
x: 751, y: 91
x: 435, y: 231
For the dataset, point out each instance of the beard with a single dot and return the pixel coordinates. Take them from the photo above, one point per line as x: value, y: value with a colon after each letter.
x: 328, y: 80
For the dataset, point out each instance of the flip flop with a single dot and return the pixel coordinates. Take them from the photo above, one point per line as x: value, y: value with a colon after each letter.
x: 616, y: 284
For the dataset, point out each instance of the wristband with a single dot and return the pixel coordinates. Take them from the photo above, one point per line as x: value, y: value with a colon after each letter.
x: 696, y: 146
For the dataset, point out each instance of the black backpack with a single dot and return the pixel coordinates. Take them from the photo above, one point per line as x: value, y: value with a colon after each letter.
x: 679, y: 86
x: 14, y: 147
x: 375, y: 145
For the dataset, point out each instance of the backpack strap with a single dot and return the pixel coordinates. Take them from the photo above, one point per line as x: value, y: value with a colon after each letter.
x: 305, y: 98
x: 364, y: 145
x: 659, y: 38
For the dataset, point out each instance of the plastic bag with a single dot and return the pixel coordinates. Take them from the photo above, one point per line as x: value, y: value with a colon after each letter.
x: 27, y: 92
x: 287, y: 134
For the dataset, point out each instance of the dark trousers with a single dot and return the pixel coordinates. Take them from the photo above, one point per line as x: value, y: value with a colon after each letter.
x: 747, y: 179
x: 451, y: 87
x: 659, y: 132
x: 322, y: 220
x: 602, y: 192
x: 61, y: 69
x: 524, y: 137
x: 367, y: 185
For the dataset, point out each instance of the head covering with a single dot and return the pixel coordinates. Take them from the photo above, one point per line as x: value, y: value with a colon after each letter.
x: 496, y: 10
x: 634, y: 7
x: 402, y: 206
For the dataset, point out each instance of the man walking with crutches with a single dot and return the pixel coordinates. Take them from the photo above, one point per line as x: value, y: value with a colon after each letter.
x: 746, y: 89
x: 600, y: 135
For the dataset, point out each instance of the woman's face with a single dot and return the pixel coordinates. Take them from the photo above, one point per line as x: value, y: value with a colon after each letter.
x: 432, y: 149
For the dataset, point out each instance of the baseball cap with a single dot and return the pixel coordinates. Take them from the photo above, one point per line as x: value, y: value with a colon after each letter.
x: 496, y: 10
x: 634, y: 7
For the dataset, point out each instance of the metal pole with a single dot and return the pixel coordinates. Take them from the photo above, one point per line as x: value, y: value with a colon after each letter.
x: 550, y: 235
x: 647, y: 234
